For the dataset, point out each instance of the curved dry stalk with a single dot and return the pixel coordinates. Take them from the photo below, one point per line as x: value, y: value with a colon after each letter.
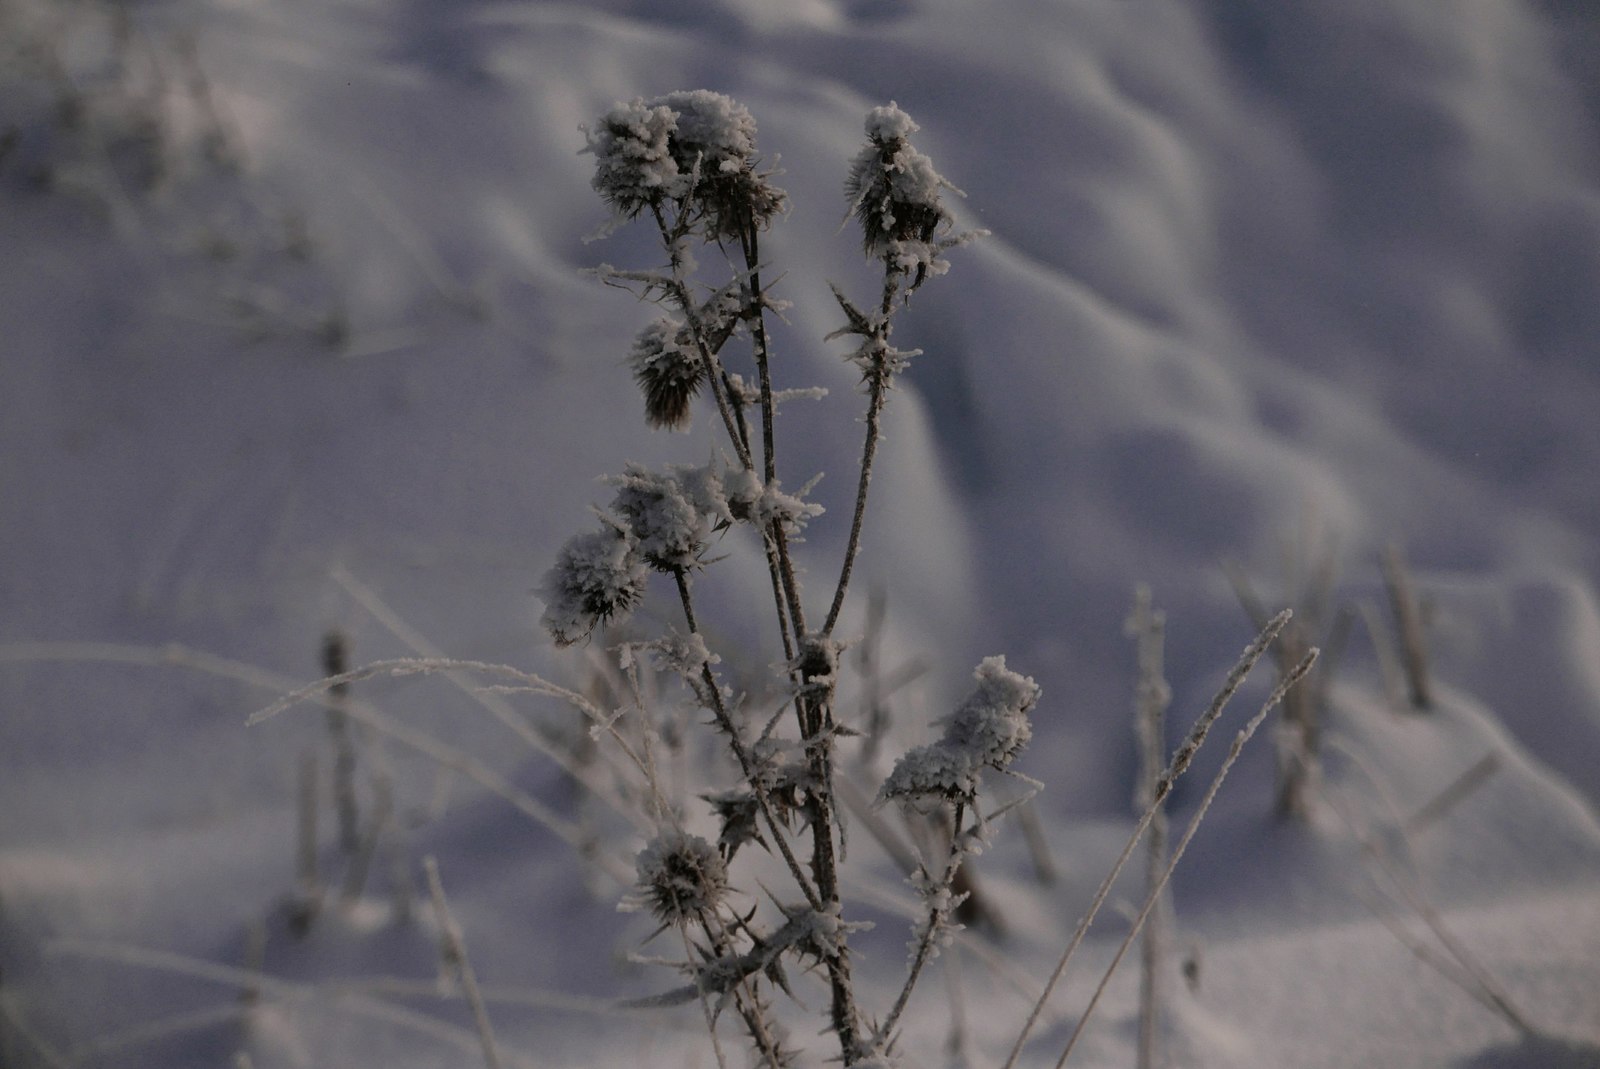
x: 1153, y: 898
x: 283, y: 991
x: 175, y: 655
x: 463, y: 964
x: 1181, y: 760
x: 489, y: 699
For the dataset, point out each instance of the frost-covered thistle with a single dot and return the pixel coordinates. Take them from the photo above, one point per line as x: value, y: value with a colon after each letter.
x: 687, y: 163
x: 895, y: 192
x: 668, y: 370
x: 681, y: 878
x: 597, y: 576
x: 670, y: 514
x: 696, y: 149
x: 987, y: 730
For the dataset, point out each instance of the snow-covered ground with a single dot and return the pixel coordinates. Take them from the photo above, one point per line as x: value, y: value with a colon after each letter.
x: 296, y: 338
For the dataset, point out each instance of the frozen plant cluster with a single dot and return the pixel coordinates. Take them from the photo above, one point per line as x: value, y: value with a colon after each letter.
x: 687, y: 164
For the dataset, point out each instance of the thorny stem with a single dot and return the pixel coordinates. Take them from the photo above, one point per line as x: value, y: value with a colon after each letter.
x: 742, y: 753
x: 745, y: 996
x: 936, y: 917
x: 1179, y: 764
x: 878, y: 379
x: 815, y: 723
x: 813, y: 715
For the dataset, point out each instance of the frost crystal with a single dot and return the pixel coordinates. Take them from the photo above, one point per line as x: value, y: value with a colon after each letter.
x: 987, y: 730
x: 749, y: 499
x: 681, y: 876
x: 597, y: 576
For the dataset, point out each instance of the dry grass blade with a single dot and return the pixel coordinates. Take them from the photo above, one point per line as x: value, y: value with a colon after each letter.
x: 1294, y: 676
x: 1180, y: 763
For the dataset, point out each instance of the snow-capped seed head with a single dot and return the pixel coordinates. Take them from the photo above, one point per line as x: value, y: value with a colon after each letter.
x: 937, y: 771
x: 894, y: 189
x: 597, y: 576
x: 696, y: 148
x: 667, y: 527
x: 670, y: 514
x: 987, y: 730
x: 889, y: 123
x: 992, y: 723
x: 681, y: 876
x: 668, y: 370
x: 715, y: 141
x: 634, y: 164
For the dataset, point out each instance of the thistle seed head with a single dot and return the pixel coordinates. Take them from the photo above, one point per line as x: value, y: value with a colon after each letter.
x: 681, y: 877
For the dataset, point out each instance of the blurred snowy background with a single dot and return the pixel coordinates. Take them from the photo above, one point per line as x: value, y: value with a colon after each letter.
x: 294, y: 337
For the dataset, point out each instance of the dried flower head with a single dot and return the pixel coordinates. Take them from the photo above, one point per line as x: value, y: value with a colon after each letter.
x: 597, y: 576
x: 681, y: 876
x: 669, y: 530
x: 716, y: 142
x: 987, y: 730
x: 634, y: 165
x: 694, y: 148
x: 670, y: 514
x: 669, y: 371
x: 992, y: 723
x: 895, y: 192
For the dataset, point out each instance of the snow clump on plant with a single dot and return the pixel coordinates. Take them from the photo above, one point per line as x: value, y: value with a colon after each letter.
x: 895, y: 192
x: 988, y: 729
x: 597, y: 576
x: 696, y: 149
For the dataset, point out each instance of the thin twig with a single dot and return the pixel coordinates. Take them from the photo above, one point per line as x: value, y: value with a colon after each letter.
x: 938, y: 904
x: 463, y: 964
x: 1181, y: 760
x: 1153, y: 898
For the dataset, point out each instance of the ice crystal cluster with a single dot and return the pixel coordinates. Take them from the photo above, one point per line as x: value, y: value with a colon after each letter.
x: 988, y: 729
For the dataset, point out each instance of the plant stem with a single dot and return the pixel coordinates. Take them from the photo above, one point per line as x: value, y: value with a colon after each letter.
x: 930, y: 934
x: 1154, y: 896
x: 1181, y: 759
x: 879, y: 378
x: 741, y: 753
